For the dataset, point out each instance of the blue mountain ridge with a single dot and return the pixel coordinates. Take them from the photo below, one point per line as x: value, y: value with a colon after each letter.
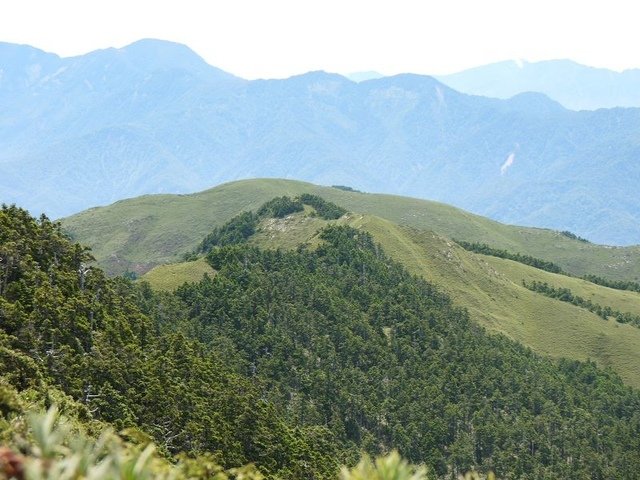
x: 576, y: 86
x: 154, y: 117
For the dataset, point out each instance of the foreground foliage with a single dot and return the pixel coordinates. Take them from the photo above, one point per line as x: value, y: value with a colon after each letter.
x: 59, y: 448
x: 65, y: 325
x: 53, y: 454
x: 391, y: 467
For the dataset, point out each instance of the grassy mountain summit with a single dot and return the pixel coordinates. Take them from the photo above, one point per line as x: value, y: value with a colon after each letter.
x: 139, y: 233
x: 156, y: 230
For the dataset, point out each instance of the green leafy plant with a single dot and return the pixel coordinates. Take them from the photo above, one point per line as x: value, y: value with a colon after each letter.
x: 390, y: 467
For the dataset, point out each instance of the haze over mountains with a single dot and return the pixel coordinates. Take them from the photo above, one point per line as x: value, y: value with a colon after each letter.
x: 574, y: 86
x: 154, y: 117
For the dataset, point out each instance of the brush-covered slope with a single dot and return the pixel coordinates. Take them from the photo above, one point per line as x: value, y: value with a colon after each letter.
x: 153, y: 117
x: 282, y: 311
x: 296, y: 360
x: 489, y: 288
x: 173, y: 275
x: 140, y: 233
x: 110, y: 352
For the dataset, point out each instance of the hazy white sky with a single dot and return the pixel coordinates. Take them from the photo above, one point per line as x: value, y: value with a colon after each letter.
x: 278, y: 38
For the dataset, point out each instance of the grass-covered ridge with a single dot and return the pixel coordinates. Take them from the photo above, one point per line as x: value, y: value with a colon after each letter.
x: 140, y: 233
x: 491, y: 289
x: 241, y: 227
x: 485, y: 249
x: 566, y: 295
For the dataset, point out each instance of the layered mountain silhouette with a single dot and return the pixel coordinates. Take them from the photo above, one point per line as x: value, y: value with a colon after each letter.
x: 154, y: 117
x: 573, y: 85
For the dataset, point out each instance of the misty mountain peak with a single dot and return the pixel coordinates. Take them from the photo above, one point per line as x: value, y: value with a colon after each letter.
x: 409, y: 81
x: 535, y: 102
x: 321, y: 76
x: 363, y: 76
x: 23, y: 65
x: 152, y: 54
x: 154, y: 116
x: 161, y: 53
x: 146, y: 57
x: 575, y: 86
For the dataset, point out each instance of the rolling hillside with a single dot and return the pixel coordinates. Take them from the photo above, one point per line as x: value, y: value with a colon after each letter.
x: 172, y: 275
x: 490, y: 288
x: 139, y: 233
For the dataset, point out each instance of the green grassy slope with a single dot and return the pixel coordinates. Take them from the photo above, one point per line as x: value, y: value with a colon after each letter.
x: 170, y: 276
x: 622, y: 300
x: 139, y: 233
x: 491, y: 289
x: 288, y: 233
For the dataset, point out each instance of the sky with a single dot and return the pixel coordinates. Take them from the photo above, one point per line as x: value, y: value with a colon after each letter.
x: 279, y: 38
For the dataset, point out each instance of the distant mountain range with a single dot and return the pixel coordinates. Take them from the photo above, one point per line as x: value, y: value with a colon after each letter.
x: 364, y: 76
x: 574, y: 86
x: 154, y: 117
